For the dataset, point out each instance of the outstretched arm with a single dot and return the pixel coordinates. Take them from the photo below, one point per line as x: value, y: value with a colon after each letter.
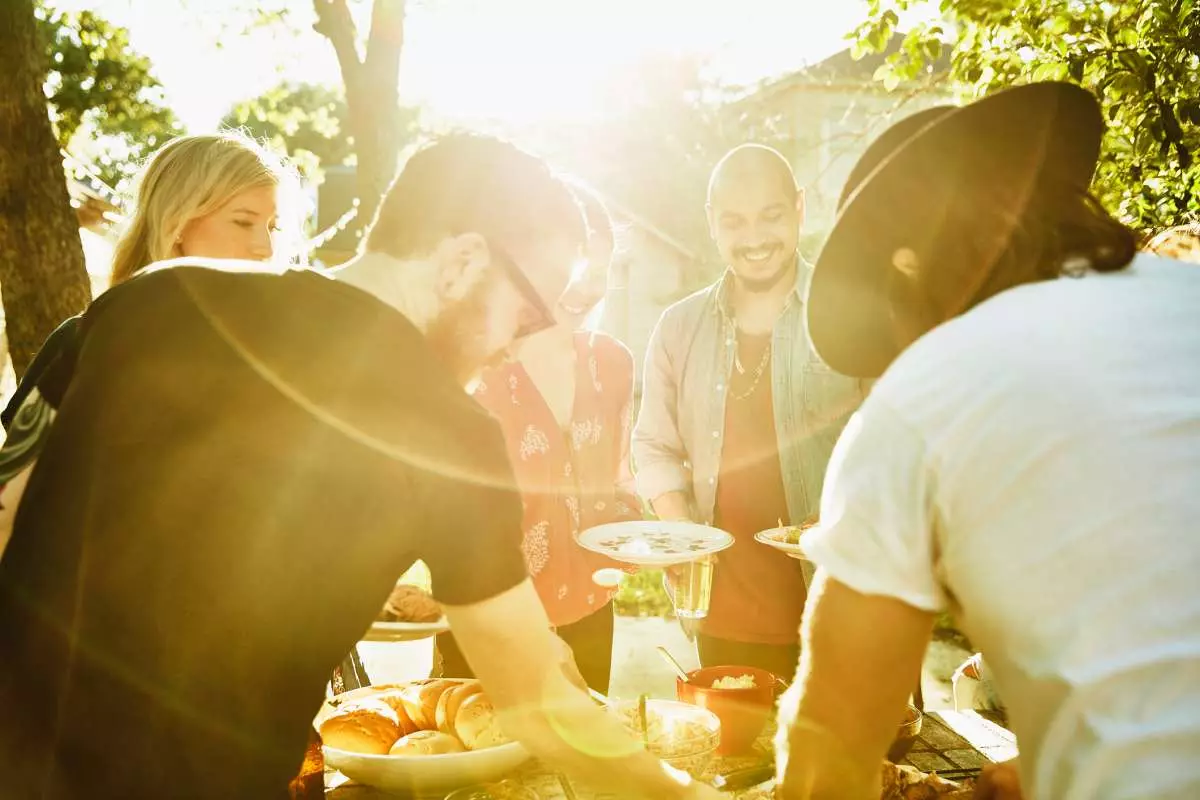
x: 528, y: 676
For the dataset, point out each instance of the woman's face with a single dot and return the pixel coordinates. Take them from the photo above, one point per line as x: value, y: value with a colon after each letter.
x: 588, y: 289
x: 242, y: 228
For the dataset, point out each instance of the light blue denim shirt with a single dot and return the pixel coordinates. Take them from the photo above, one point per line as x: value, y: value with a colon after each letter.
x: 678, y: 438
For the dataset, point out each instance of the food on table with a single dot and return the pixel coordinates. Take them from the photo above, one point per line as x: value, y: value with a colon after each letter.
x: 730, y: 682
x: 421, y: 698
x: 449, y: 703
x: 369, y: 726
x: 476, y: 725
x: 909, y: 783
x: 899, y: 783
x: 409, y: 603
x: 414, y: 719
x: 668, y: 736
x: 426, y: 743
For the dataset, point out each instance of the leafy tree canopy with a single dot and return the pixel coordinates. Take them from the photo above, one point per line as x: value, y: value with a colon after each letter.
x: 101, y: 90
x: 1140, y: 57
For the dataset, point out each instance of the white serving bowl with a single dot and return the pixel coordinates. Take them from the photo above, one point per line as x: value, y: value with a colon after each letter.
x: 424, y: 775
x: 420, y: 775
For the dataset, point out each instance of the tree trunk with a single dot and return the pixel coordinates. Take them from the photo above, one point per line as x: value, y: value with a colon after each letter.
x: 42, y: 274
x: 372, y: 92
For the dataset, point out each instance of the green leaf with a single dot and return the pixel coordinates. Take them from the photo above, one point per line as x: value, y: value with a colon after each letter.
x: 1125, y: 83
x: 1051, y: 71
x: 1127, y: 37
x: 1134, y: 61
x: 1188, y: 111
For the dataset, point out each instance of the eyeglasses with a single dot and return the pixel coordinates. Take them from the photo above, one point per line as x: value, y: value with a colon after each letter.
x: 542, y: 317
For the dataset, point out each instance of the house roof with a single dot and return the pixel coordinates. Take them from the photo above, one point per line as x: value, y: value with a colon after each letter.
x: 839, y: 71
x: 637, y: 220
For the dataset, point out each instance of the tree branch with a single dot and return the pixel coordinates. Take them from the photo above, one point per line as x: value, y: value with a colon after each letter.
x: 385, y: 45
x: 335, y: 23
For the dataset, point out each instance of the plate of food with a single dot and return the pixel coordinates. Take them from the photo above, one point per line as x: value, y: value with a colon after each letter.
x: 786, y: 539
x: 410, y: 613
x: 421, y: 737
x: 647, y: 543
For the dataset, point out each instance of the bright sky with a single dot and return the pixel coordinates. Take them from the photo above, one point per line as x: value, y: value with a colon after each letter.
x: 517, y: 60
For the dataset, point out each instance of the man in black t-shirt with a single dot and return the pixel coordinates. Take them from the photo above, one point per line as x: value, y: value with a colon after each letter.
x: 244, y: 462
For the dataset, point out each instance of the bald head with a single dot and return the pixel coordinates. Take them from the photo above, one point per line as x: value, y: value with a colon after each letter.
x: 750, y: 163
x: 755, y: 211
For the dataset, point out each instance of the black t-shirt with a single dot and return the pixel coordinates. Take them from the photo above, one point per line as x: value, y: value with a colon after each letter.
x: 242, y: 466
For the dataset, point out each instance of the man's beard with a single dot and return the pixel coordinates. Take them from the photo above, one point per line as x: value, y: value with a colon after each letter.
x: 458, y: 335
x: 763, y: 285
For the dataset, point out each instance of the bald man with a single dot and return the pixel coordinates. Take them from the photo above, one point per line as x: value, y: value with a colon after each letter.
x: 738, y: 416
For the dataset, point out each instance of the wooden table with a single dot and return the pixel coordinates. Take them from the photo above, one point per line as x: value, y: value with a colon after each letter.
x: 949, y: 741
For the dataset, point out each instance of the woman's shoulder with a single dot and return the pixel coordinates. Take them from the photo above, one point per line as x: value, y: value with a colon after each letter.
x: 607, y: 347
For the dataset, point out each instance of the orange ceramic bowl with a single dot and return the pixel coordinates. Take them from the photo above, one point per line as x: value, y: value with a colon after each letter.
x: 743, y: 712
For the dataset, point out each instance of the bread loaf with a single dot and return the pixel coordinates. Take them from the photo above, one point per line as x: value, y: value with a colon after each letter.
x: 450, y: 701
x: 476, y: 725
x: 420, y: 700
x: 367, y: 726
x: 396, y: 702
x: 426, y: 743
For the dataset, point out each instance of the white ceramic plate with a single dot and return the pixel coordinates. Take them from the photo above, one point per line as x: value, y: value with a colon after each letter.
x: 420, y: 775
x: 405, y: 631
x: 777, y: 538
x: 654, y: 544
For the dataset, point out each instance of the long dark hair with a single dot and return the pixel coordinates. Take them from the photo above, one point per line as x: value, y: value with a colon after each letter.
x: 1060, y: 230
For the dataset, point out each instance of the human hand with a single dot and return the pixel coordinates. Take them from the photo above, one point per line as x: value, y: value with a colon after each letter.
x: 999, y: 782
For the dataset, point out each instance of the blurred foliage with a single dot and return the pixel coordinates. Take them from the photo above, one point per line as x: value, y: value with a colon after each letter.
x: 652, y: 149
x: 309, y: 123
x: 1140, y: 57
x: 102, y: 91
x: 642, y: 595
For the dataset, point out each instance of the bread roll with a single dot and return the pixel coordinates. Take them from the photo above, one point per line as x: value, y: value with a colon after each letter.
x: 366, y: 726
x: 394, y: 700
x: 420, y: 700
x: 426, y: 743
x: 449, y: 702
x: 476, y: 725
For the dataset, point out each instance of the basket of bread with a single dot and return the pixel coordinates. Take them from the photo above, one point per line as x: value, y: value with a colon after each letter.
x: 419, y: 737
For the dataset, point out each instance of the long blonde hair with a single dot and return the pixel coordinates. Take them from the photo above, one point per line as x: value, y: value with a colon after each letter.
x: 190, y: 177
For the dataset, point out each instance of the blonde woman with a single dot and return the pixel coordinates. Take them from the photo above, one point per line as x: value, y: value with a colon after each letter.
x: 216, y: 196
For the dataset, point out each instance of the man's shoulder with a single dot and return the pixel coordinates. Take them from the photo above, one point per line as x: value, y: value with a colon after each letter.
x: 692, y: 307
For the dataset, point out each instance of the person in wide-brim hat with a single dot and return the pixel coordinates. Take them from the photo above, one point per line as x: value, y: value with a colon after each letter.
x: 1026, y: 462
x: 935, y: 214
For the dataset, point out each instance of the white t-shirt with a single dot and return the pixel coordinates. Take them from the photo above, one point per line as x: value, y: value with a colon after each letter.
x: 1034, y: 466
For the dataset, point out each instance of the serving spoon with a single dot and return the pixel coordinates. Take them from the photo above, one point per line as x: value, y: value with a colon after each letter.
x: 675, y: 666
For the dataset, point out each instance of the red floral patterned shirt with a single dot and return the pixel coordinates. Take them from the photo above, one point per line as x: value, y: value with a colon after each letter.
x: 570, y: 478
